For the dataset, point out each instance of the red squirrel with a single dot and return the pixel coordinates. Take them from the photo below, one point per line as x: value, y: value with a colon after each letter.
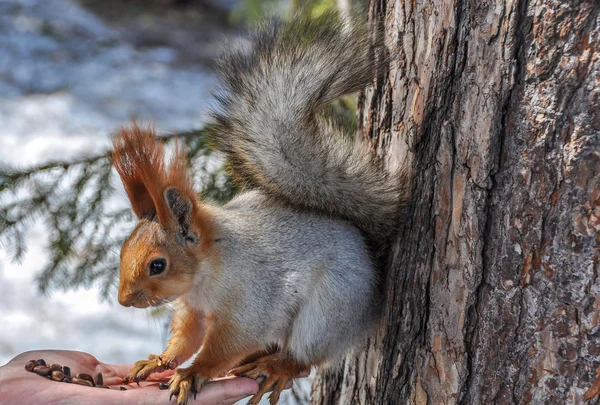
x: 281, y: 278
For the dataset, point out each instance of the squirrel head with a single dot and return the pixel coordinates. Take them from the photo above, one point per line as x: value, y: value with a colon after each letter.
x: 162, y: 254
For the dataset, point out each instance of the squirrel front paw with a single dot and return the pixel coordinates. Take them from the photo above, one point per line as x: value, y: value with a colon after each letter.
x: 185, y: 382
x: 143, y: 368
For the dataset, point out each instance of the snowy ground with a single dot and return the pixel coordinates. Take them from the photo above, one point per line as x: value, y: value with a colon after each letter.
x: 67, y: 80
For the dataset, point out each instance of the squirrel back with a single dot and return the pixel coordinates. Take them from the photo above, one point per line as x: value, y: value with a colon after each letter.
x: 270, y: 123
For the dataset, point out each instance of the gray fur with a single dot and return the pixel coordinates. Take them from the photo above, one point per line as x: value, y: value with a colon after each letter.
x: 308, y: 283
x: 270, y: 123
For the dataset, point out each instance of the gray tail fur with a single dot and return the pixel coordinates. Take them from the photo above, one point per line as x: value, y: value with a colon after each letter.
x: 270, y: 124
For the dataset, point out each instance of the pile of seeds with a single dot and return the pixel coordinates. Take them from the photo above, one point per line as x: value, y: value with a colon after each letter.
x: 59, y: 373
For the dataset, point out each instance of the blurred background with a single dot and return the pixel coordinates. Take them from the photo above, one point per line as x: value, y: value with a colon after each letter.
x: 71, y: 73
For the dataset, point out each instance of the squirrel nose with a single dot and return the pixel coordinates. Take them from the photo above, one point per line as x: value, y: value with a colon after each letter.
x: 125, y: 299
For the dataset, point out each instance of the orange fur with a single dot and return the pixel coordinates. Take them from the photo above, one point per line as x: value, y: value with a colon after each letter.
x: 139, y: 160
x: 221, y: 349
x: 138, y: 157
x: 187, y: 332
x: 147, y: 242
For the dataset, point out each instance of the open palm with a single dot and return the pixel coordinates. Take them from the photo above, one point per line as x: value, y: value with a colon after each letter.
x: 17, y: 386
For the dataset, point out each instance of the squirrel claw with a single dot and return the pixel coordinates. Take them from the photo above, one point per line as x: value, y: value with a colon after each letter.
x: 185, y: 382
x: 278, y: 370
x: 142, y: 369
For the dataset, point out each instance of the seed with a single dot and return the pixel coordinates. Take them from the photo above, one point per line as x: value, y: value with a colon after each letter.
x: 162, y: 386
x: 67, y: 379
x: 42, y: 370
x: 40, y: 362
x: 58, y: 375
x: 102, y: 386
x: 30, y: 365
x: 85, y: 376
x: 67, y: 371
x: 56, y: 367
x: 80, y: 381
x: 123, y: 388
x: 99, y: 380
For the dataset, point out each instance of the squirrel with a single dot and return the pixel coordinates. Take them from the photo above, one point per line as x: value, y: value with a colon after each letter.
x: 282, y: 277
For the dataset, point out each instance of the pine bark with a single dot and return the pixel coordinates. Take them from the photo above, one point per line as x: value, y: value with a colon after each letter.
x: 492, y: 293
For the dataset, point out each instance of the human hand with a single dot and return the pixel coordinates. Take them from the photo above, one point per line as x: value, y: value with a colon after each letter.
x: 17, y: 386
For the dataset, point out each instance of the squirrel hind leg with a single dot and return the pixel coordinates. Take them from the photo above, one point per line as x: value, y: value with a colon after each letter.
x: 279, y: 369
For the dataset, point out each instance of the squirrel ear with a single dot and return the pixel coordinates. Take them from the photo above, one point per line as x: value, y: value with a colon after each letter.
x: 181, y: 208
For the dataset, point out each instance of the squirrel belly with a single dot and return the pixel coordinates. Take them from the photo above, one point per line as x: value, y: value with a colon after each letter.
x: 307, y: 282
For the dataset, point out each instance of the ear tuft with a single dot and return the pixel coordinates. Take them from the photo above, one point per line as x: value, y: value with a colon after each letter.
x: 139, y: 160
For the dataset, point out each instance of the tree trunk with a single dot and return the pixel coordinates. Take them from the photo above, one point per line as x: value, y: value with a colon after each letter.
x: 492, y: 293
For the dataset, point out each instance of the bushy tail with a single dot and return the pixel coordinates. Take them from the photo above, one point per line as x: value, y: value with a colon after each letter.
x: 270, y: 125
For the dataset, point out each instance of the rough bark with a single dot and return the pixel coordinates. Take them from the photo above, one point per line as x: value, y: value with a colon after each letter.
x: 493, y: 294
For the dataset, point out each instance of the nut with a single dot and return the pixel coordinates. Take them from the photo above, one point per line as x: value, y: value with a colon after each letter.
x: 85, y: 376
x: 56, y: 367
x: 66, y: 370
x: 123, y: 388
x: 81, y: 381
x: 163, y: 386
x: 40, y: 362
x: 30, y: 365
x: 42, y: 370
x: 67, y: 379
x: 99, y: 380
x: 101, y: 386
x: 58, y: 375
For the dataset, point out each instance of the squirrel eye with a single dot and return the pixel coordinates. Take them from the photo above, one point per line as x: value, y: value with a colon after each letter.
x: 157, y: 266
